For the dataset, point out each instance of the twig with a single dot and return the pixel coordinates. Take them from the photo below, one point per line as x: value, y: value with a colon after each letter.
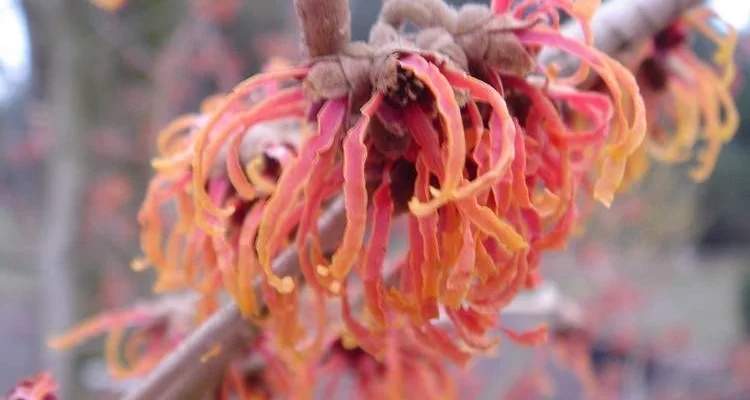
x: 182, y: 373
x: 326, y: 25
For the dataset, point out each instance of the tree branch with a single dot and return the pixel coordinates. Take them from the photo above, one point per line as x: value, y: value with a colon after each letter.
x: 182, y: 373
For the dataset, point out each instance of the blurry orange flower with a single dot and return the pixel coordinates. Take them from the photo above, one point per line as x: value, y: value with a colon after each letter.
x: 689, y: 100
x: 137, y: 338
x: 40, y: 387
x: 109, y: 5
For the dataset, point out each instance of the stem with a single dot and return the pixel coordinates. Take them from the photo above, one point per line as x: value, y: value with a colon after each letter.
x: 182, y: 373
x: 326, y: 25
x: 619, y: 24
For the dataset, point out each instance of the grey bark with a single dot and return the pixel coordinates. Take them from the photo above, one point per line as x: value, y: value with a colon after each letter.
x: 63, y: 188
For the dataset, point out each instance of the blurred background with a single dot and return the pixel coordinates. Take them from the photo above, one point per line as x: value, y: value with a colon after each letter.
x: 83, y: 92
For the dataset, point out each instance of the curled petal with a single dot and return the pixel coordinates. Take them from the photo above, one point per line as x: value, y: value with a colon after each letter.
x: 454, y: 151
x: 282, y: 109
x: 355, y: 192
x: 428, y: 229
x: 472, y: 329
x: 99, y: 325
x: 624, y: 91
x: 534, y: 337
x: 502, y: 131
x: 271, y: 232
x: 203, y: 137
x: 376, y: 251
x: 442, y: 343
x: 486, y: 221
x: 426, y: 136
x: 167, y: 135
x: 247, y: 263
x: 459, y: 279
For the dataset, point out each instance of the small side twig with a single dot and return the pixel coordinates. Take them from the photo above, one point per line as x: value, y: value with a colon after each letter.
x: 326, y: 25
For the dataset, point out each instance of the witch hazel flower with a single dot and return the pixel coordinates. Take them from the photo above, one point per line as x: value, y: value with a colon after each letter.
x: 691, y: 113
x: 186, y: 256
x: 408, y: 368
x: 137, y: 338
x: 457, y: 162
x: 454, y: 128
x: 40, y: 387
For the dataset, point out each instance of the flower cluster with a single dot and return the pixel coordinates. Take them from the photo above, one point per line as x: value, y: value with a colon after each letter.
x: 40, y: 387
x: 689, y: 99
x: 185, y: 256
x: 138, y: 337
x: 408, y: 368
x: 447, y: 128
x: 453, y: 131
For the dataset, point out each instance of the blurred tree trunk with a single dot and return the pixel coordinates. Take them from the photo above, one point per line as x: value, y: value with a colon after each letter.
x: 65, y: 168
